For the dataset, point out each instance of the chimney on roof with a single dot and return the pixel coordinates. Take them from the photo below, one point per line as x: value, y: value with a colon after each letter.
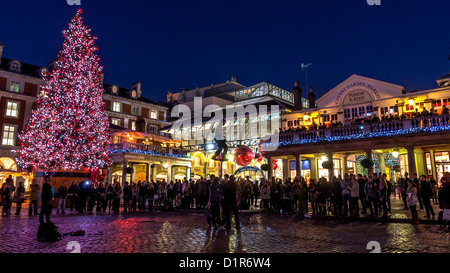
x: 1, y: 52
x: 311, y: 98
x: 297, y: 96
x: 137, y: 86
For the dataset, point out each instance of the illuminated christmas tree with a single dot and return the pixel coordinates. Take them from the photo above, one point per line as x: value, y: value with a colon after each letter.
x: 69, y: 128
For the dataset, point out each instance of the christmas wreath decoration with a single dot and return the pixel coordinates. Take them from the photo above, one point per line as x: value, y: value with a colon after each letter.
x: 129, y: 170
x: 265, y: 167
x: 327, y: 164
x: 366, y: 163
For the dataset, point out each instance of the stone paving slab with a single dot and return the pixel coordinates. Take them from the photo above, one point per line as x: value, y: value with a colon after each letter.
x: 176, y: 232
x: 187, y: 232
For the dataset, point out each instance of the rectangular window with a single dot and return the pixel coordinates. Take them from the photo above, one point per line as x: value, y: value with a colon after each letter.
x: 369, y: 110
x: 409, y: 107
x: 8, y: 135
x: 153, y: 129
x: 12, y: 109
x: 133, y: 125
x: 354, y: 112
x: 419, y: 105
x: 346, y: 113
x: 362, y: 111
x: 154, y: 114
x: 289, y: 123
x: 393, y: 110
x: 441, y: 157
x: 326, y: 118
x: 115, y: 121
x: 14, y: 86
x: 135, y: 111
x: 446, y: 102
x: 437, y: 103
x: 116, y: 106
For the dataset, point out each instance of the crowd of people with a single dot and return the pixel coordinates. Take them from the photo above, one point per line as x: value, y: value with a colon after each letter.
x: 352, y: 195
x: 365, y: 120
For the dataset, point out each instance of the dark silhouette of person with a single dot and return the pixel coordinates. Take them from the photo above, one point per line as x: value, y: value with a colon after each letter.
x: 47, y: 196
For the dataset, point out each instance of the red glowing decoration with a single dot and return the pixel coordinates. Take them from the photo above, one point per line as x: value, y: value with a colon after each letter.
x: 243, y: 156
x: 274, y: 166
x: 274, y: 161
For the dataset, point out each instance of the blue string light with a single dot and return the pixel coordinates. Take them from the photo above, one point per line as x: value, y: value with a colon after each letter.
x: 118, y: 151
x: 362, y: 135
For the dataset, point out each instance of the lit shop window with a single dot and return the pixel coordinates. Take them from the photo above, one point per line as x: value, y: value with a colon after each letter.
x: 133, y: 125
x: 12, y: 109
x: 8, y: 135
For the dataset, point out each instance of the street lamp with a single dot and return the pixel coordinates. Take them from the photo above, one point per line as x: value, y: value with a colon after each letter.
x: 165, y: 165
x: 395, y: 153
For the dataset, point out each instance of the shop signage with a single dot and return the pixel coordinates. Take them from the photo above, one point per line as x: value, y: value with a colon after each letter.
x: 292, y: 165
x: 357, y: 97
x: 306, y: 165
x: 366, y: 85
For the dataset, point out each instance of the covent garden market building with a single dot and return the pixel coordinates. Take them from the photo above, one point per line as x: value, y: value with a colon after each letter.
x: 359, y: 119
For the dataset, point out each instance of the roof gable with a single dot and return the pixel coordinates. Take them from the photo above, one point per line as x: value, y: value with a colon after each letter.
x: 369, y: 89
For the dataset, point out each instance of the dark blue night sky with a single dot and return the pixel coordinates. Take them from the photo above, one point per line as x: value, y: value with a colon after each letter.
x: 168, y: 44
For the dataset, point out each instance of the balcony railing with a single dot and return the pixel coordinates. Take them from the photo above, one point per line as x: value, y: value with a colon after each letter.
x: 147, y: 149
x: 383, y: 128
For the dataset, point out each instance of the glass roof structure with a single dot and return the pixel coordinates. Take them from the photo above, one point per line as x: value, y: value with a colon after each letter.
x: 263, y: 89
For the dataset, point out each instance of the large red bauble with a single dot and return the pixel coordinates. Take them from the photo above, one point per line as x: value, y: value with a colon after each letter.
x: 274, y: 166
x: 243, y: 156
x: 274, y: 161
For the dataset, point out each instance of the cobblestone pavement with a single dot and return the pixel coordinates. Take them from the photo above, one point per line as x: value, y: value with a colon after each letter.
x: 187, y: 231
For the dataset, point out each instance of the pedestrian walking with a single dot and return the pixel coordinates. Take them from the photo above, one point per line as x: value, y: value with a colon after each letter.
x: 382, y: 190
x: 34, y: 197
x: 6, y: 199
x: 411, y: 193
x: 346, y: 194
x: 265, y: 195
x: 229, y: 203
x: 19, y: 197
x: 117, y: 192
x: 426, y: 192
x: 444, y: 201
x: 354, y: 194
x: 72, y: 194
x: 214, y: 204
x: 62, y: 195
x: 370, y: 193
x: 47, y: 197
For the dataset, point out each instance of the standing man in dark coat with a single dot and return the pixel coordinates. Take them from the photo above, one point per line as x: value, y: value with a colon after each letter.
x: 426, y: 192
x: 229, y: 203
x: 47, y: 196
